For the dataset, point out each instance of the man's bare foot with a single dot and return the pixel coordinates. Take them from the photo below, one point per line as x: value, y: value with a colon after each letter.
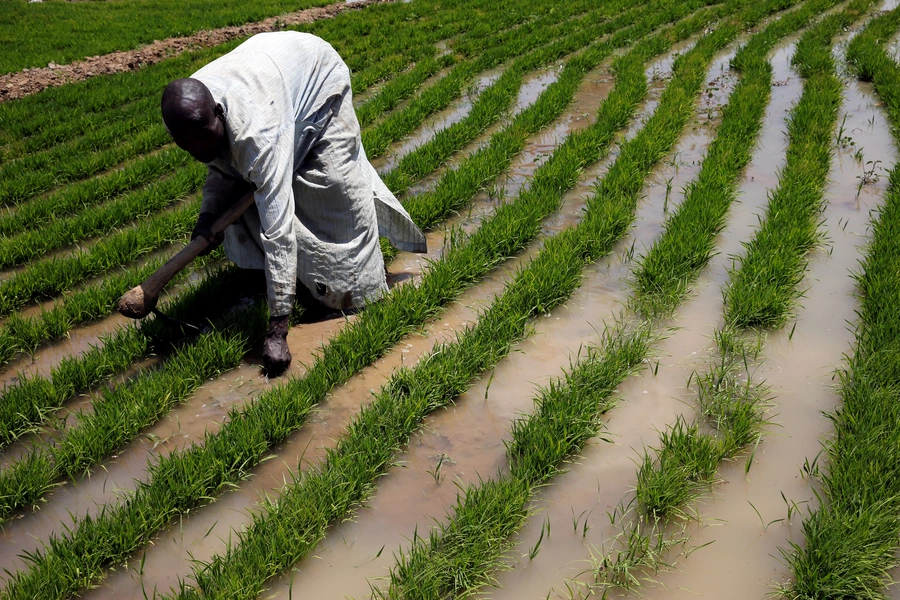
x: 276, y: 353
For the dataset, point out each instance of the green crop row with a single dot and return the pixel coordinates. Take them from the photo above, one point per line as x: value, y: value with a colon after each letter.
x: 457, y: 185
x: 238, y: 446
x: 28, y: 245
x: 851, y: 537
x: 497, y: 99
x: 730, y: 405
x: 463, y: 553
x: 34, y: 399
x: 294, y: 523
x: 434, y: 98
x: 51, y: 276
x: 121, y: 412
x: 85, y: 194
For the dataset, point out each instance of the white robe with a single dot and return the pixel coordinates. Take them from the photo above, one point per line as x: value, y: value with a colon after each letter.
x: 320, y: 206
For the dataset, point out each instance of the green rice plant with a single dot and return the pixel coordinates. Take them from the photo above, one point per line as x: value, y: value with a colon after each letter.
x: 86, y: 194
x: 400, y: 88
x: 63, y: 132
x: 34, y: 399
x: 28, y: 245
x: 51, y: 276
x: 731, y: 406
x: 462, y: 554
x: 121, y: 412
x: 68, y: 165
x: 763, y: 287
x: 438, y: 96
x: 498, y: 98
x: 851, y: 537
x: 688, y: 239
x: 455, y: 186
x: 188, y: 478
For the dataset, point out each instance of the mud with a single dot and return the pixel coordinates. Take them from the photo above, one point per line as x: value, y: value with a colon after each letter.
x: 32, y: 81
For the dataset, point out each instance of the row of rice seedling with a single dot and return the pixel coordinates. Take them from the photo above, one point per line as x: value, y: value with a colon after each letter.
x: 26, y: 333
x: 83, y: 195
x: 35, y: 399
x: 52, y: 276
x: 730, y: 405
x: 464, y: 552
x: 851, y: 538
x: 119, y: 413
x: 50, y: 136
x: 77, y: 559
x: 28, y: 245
x: 456, y: 186
x: 450, y: 87
x: 497, y: 99
x: 289, y: 528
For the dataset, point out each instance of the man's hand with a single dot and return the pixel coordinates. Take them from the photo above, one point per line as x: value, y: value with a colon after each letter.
x: 276, y: 354
x: 203, y: 228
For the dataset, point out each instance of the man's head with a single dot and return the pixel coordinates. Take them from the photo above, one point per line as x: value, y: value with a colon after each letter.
x: 192, y: 117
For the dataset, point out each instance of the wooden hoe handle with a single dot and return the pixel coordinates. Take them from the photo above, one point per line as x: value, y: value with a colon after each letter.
x: 140, y: 300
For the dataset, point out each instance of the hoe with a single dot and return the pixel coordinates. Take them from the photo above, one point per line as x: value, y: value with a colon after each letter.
x: 141, y: 300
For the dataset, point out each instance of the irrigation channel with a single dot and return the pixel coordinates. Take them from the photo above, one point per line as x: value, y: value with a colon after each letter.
x: 660, y: 271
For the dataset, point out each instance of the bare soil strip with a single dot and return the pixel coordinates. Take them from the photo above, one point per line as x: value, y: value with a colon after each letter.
x: 32, y: 81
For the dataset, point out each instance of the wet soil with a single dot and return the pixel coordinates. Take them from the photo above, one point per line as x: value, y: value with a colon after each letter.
x: 31, y: 81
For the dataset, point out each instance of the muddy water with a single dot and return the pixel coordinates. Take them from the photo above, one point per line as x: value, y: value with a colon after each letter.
x: 167, y: 559
x: 456, y: 112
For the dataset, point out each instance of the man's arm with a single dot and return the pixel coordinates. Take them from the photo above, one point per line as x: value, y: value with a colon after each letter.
x: 273, y: 173
x: 220, y: 192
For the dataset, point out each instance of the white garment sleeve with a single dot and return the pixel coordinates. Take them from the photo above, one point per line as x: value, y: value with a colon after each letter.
x: 273, y: 174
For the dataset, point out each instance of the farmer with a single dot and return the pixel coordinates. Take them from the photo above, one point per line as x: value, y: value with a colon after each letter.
x: 275, y: 116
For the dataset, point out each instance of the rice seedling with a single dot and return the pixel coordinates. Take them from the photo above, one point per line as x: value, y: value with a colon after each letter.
x: 86, y: 194
x: 34, y: 399
x: 438, y: 96
x: 51, y: 276
x: 730, y: 404
x: 121, y: 412
x: 497, y: 99
x: 21, y: 248
x: 851, y: 538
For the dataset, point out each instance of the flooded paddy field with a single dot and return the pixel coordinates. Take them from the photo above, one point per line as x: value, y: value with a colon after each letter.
x: 617, y: 371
